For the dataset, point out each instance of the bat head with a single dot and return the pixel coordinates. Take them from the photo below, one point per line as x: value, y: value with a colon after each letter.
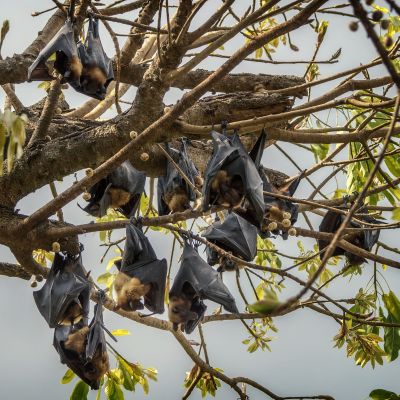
x: 179, y: 311
x: 226, y: 264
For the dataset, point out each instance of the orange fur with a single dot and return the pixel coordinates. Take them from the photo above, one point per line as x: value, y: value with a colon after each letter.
x: 177, y: 201
x: 179, y: 310
x: 77, y: 341
x: 119, y: 197
x: 129, y: 291
x: 98, y: 366
x: 75, y: 67
x: 73, y: 314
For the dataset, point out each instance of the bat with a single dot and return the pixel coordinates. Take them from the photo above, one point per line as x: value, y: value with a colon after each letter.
x: 67, y: 60
x: 232, y: 179
x: 174, y: 194
x: 64, y: 298
x: 365, y: 240
x: 278, y: 210
x: 140, y: 275
x: 97, y: 71
x: 121, y: 190
x: 83, y: 348
x: 195, y: 282
x: 236, y: 236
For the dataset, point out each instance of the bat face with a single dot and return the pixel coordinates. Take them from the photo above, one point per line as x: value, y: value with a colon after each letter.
x: 179, y: 311
x: 227, y: 191
x: 95, y: 369
x: 177, y: 200
x: 93, y: 81
x: 129, y: 292
x: 119, y: 197
x: 225, y: 264
x: 77, y: 340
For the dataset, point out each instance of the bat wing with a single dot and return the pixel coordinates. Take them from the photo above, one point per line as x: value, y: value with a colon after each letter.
x: 97, y: 192
x: 96, y: 337
x: 330, y: 223
x: 204, y: 279
x: 137, y: 247
x: 236, y: 235
x: 154, y: 273
x: 70, y: 358
x: 258, y: 149
x: 64, y: 42
x: 62, y: 289
x: 161, y: 189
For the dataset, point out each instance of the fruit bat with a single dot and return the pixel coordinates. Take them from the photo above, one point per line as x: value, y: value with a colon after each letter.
x: 121, y: 189
x: 365, y: 239
x: 195, y: 282
x: 236, y: 236
x: 97, y: 71
x: 232, y: 179
x: 278, y: 210
x: 67, y: 60
x: 83, y: 348
x: 140, y: 274
x: 173, y: 192
x: 64, y: 298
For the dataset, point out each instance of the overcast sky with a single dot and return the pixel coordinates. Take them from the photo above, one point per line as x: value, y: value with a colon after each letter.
x: 302, y: 361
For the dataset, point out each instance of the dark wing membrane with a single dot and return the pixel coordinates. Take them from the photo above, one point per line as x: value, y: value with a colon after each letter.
x: 96, y: 192
x: 137, y: 247
x: 204, y: 279
x: 96, y: 339
x: 330, y: 223
x: 236, y: 235
x: 62, y: 289
x: 258, y: 149
x: 162, y: 206
x: 63, y: 44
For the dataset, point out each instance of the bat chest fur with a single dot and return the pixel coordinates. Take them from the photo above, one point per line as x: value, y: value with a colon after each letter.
x: 76, y: 341
x: 75, y: 67
x: 179, y: 310
x: 119, y: 197
x: 129, y: 291
x: 98, y: 366
x: 177, y: 201
x: 93, y: 78
x: 227, y: 190
x: 73, y: 314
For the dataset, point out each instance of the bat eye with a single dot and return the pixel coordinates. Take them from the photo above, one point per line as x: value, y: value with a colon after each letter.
x: 175, y: 310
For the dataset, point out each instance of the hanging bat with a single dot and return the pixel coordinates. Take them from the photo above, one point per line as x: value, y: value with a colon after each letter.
x: 97, y: 71
x: 364, y: 240
x: 195, y: 282
x: 141, y: 274
x: 232, y: 179
x: 67, y: 60
x: 121, y: 190
x: 236, y: 236
x: 64, y: 298
x: 174, y: 194
x: 83, y: 348
x: 278, y: 210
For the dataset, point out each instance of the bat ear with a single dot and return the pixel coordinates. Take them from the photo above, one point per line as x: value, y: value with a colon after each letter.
x: 258, y: 149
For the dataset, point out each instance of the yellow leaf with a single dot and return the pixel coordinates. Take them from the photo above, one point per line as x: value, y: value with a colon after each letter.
x: 120, y: 332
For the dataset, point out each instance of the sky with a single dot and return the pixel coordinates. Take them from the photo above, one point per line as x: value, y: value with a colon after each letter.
x: 302, y: 360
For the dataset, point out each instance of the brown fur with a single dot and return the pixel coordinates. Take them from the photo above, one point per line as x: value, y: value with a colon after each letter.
x: 129, y: 291
x: 93, y: 78
x: 119, y: 197
x: 76, y: 68
x: 179, y: 310
x: 275, y: 214
x: 198, y: 181
x: 177, y: 201
x: 227, y: 190
x: 77, y: 341
x: 97, y: 367
x: 73, y: 314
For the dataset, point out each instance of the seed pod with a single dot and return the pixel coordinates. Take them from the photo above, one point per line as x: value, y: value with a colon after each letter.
x: 56, y: 247
x: 86, y: 196
x: 353, y: 26
x: 377, y: 15
x: 286, y: 215
x: 89, y: 172
x: 388, y: 41
x: 272, y: 226
x: 39, y: 278
x: 33, y: 284
x: 144, y: 156
x: 286, y: 223
x: 133, y: 135
x: 292, y: 231
x: 369, y: 2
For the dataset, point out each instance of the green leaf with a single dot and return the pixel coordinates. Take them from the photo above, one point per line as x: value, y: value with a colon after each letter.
x: 381, y: 394
x: 396, y: 214
x: 68, y: 376
x: 392, y: 340
x: 392, y: 304
x: 80, y: 391
x: 113, y: 390
x: 120, y: 332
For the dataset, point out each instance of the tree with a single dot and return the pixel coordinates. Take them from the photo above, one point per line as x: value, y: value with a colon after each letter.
x: 48, y: 141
